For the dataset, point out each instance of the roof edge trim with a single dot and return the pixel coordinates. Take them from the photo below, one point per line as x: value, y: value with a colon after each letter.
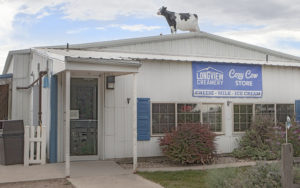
x: 116, y: 62
x: 9, y: 57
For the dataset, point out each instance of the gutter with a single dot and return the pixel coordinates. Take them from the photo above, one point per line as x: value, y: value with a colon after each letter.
x: 117, y: 62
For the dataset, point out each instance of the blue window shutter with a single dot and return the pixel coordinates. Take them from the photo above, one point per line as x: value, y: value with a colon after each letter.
x: 143, y: 119
x: 297, y: 109
x: 53, y: 121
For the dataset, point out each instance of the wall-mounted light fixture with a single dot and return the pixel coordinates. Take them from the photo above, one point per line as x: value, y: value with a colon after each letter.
x: 228, y: 103
x: 110, y: 82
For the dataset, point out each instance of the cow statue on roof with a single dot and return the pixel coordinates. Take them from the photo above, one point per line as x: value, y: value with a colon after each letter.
x: 181, y: 21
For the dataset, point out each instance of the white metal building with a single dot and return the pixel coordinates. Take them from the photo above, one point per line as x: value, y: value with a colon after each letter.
x: 162, y: 73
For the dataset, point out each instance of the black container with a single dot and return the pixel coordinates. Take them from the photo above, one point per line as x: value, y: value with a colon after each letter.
x: 11, y: 142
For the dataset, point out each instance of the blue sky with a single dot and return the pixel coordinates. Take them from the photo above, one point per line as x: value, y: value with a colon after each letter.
x: 29, y: 23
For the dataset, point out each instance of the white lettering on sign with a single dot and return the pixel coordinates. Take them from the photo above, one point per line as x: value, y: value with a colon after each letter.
x: 243, y: 83
x: 226, y: 93
x: 240, y: 75
x: 211, y: 79
x: 250, y: 75
x: 233, y: 74
x: 210, y: 76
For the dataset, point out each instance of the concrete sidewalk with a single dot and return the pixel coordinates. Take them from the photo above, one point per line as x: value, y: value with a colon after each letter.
x: 115, y: 181
x: 19, y: 173
x: 106, y: 174
x: 84, y: 174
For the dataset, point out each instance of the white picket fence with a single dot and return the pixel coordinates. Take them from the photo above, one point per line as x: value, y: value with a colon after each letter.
x: 34, y: 145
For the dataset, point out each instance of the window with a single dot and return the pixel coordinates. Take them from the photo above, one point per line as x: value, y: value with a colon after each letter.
x: 283, y: 110
x: 265, y: 109
x: 163, y: 118
x: 243, y: 114
x: 188, y: 113
x: 212, y: 114
x: 242, y: 117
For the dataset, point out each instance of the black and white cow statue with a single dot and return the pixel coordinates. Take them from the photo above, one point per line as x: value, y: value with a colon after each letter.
x: 181, y: 21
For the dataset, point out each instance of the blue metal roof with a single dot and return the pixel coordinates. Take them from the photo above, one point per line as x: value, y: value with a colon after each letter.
x: 4, y: 76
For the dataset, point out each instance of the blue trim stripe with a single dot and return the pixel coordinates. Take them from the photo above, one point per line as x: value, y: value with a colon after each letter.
x: 53, y: 124
x: 46, y: 82
x: 4, y: 76
x: 297, y: 109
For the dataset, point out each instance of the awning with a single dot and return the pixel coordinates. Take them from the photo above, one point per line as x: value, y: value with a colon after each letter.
x: 5, y: 78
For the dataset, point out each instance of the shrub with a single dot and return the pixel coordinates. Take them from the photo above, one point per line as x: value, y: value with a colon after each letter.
x: 190, y: 143
x: 263, y: 140
x: 256, y: 141
x: 294, y: 138
x: 262, y: 175
x: 279, y: 137
x: 222, y: 177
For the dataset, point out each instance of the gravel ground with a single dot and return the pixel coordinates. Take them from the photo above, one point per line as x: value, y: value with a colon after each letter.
x: 159, y: 162
x: 54, y: 183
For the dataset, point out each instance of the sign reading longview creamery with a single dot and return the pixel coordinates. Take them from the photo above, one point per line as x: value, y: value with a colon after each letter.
x: 226, y: 80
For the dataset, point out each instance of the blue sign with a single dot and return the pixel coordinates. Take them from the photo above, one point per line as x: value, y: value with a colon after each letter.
x: 226, y: 80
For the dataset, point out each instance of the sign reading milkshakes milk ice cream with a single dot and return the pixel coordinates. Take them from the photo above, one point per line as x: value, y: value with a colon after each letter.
x: 226, y: 80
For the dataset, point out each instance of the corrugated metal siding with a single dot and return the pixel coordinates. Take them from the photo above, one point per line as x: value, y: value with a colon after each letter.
x: 196, y: 47
x: 41, y: 61
x: 117, y: 55
x: 172, y: 82
x: 20, y: 98
x: 10, y: 68
x: 118, y: 126
x: 25, y: 71
x: 33, y: 74
x: 277, y: 58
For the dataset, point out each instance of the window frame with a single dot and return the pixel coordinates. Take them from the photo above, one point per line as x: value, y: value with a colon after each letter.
x: 253, y: 113
x: 285, y: 104
x: 232, y: 116
x: 160, y: 134
x: 185, y: 113
x: 188, y: 102
x: 222, y: 117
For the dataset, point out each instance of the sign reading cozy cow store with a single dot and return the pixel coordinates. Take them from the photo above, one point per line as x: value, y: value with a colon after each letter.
x: 226, y: 80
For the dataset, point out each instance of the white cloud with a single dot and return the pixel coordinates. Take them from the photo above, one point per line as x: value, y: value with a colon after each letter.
x: 108, y: 10
x: 78, y: 30
x: 278, y: 19
x: 8, y: 10
x: 136, y: 27
x: 252, y: 12
x: 100, y: 28
x: 139, y: 27
x: 43, y: 14
x: 267, y: 37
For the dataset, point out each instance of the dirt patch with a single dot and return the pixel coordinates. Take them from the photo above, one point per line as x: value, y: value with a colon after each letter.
x: 53, y: 183
x: 159, y: 162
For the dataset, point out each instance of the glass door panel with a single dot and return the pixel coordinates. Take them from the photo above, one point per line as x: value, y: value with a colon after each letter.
x: 83, y: 115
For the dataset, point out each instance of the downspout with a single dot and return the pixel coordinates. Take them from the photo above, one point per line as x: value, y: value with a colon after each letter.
x: 40, y: 98
x: 41, y: 74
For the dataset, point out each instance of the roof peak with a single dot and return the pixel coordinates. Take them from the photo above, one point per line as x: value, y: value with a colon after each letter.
x: 130, y: 41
